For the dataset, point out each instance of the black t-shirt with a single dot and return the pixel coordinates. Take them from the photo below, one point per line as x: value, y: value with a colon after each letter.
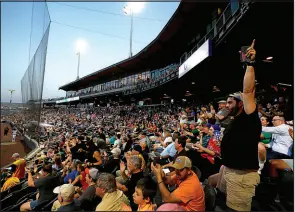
x: 46, y: 186
x: 102, y: 136
x: 89, y: 194
x: 181, y: 153
x: 239, y: 146
x: 76, y: 154
x: 131, y: 184
x: 111, y: 164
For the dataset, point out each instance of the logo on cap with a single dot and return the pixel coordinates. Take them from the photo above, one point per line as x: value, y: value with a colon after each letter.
x: 178, y: 160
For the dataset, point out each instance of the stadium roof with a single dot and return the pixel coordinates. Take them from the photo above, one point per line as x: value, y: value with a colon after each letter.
x: 169, y: 45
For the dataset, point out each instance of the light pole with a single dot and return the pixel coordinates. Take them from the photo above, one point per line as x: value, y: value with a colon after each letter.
x: 131, y: 32
x: 78, y: 65
x: 11, y: 92
x: 80, y: 49
x: 130, y: 9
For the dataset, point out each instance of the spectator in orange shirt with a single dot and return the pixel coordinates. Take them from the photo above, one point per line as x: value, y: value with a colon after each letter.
x: 189, y: 193
x: 10, y: 180
x: 20, y: 166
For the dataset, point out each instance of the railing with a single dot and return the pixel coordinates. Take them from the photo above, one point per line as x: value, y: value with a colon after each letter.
x: 166, y: 79
x: 216, y: 28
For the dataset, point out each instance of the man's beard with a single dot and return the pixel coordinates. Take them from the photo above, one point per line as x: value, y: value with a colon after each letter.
x: 234, y: 111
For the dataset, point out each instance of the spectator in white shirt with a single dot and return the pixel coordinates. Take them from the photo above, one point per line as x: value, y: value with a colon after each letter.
x: 281, y: 140
x: 118, y: 141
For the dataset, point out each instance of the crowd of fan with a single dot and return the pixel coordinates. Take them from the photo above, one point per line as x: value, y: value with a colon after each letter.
x: 104, y: 156
x: 160, y: 158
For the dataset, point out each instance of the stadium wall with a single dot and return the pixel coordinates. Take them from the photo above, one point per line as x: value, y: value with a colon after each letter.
x: 30, y: 143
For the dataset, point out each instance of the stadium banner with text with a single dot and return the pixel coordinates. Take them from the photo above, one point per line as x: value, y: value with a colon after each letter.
x: 196, y: 58
x: 68, y: 100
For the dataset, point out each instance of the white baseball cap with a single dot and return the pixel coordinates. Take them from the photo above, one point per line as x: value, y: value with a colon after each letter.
x: 67, y: 191
x: 15, y: 155
x: 116, y: 151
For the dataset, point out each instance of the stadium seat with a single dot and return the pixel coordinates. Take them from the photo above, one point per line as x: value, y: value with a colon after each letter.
x: 285, y: 182
x: 28, y: 196
x: 220, y: 201
x: 114, y: 170
x: 88, y: 205
x: 16, y: 195
x: 197, y: 171
x: 210, y: 198
x: 49, y: 205
x: 15, y: 207
x: 42, y: 205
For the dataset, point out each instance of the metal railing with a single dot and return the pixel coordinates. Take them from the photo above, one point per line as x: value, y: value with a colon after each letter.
x: 216, y: 28
x: 168, y: 78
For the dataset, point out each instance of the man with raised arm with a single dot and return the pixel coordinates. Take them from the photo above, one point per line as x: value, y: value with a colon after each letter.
x: 239, y: 146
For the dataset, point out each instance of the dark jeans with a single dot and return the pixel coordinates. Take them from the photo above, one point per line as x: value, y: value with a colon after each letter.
x: 270, y: 154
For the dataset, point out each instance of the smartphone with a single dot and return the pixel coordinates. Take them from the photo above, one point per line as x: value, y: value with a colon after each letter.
x: 243, y: 56
x: 194, y: 147
x: 166, y: 171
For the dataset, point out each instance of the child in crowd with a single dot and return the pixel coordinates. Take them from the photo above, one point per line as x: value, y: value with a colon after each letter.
x: 144, y: 193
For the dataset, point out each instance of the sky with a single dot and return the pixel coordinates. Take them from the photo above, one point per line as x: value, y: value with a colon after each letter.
x: 107, y: 37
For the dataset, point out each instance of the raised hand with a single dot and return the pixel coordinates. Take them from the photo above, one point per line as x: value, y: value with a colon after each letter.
x: 122, y: 167
x: 157, y: 169
x: 251, y: 53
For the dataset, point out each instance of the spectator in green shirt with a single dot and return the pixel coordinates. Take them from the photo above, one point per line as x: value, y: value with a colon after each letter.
x: 265, y: 139
x: 265, y: 136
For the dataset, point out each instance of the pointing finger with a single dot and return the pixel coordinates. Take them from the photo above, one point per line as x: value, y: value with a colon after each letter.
x: 253, y: 43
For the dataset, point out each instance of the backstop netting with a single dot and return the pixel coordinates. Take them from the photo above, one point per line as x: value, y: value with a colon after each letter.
x: 33, y: 79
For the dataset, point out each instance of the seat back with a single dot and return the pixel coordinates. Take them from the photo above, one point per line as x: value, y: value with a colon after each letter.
x: 13, y: 197
x: 90, y: 205
x: 48, y: 206
x: 27, y: 196
x: 114, y: 170
x: 42, y: 204
x: 15, y: 207
x: 197, y: 171
x: 210, y: 198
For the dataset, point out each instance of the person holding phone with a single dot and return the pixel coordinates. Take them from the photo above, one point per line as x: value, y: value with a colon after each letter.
x: 241, y: 166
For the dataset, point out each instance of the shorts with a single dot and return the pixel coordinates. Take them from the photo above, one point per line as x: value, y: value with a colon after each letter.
x: 221, y: 184
x: 240, y: 188
x: 33, y: 204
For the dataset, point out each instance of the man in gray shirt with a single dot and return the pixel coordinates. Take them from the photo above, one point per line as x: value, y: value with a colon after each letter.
x: 222, y: 117
x: 89, y: 194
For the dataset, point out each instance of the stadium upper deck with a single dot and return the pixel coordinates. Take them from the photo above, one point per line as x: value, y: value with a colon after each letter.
x: 183, y: 30
x: 230, y: 30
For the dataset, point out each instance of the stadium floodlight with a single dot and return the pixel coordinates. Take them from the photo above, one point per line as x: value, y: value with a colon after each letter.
x: 80, y: 48
x: 11, y: 92
x: 135, y: 7
x: 130, y: 9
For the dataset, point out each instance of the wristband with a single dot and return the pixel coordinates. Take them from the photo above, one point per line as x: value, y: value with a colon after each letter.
x: 251, y: 63
x: 160, y: 182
